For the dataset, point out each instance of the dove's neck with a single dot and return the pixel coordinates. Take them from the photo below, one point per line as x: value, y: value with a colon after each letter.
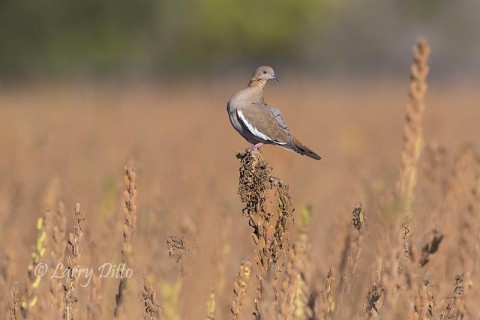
x: 255, y: 91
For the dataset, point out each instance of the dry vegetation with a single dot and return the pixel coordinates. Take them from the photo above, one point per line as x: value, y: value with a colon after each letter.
x: 382, y: 228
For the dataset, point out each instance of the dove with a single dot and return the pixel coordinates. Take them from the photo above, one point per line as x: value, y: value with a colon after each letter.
x: 259, y: 123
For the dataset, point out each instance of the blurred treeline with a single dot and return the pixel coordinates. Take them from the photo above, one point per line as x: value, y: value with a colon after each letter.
x: 166, y: 38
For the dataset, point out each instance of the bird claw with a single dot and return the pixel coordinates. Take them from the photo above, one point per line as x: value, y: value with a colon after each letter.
x: 254, y: 147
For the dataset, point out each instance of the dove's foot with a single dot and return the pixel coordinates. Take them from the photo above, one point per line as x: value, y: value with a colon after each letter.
x: 254, y: 147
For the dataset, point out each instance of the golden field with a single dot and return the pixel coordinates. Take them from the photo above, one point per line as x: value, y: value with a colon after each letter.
x: 70, y: 144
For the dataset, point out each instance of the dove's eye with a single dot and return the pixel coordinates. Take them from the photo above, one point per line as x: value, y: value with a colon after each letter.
x: 264, y: 71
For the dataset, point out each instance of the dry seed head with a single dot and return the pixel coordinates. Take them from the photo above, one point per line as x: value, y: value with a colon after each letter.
x: 178, y: 250
x: 373, y: 295
x: 412, y: 130
x: 450, y: 309
x: 59, y: 243
x: 43, y: 225
x: 73, y: 263
x: 328, y: 294
x: 294, y: 294
x: 130, y: 215
x: 358, y: 217
x: 424, y: 303
x: 253, y: 182
x: 130, y: 210
x: 15, y: 304
x: 152, y: 309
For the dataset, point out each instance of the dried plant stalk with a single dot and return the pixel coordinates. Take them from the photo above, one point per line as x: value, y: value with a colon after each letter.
x: 130, y: 215
x: 412, y: 130
x: 58, y: 254
x: 329, y: 295
x: 15, y: 304
x: 179, y: 250
x: 279, y: 241
x: 75, y: 239
x: 288, y: 290
x: 254, y: 183
x: 412, y: 139
x: 452, y: 309
x: 359, y: 223
x: 424, y: 303
x: 373, y: 295
x: 294, y: 293
x: 240, y: 289
x: 349, y: 258
x: 303, y: 294
x: 151, y: 308
x: 252, y: 188
x: 30, y: 299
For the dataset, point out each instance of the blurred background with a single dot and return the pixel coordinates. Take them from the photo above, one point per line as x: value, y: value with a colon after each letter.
x: 88, y: 86
x: 165, y: 39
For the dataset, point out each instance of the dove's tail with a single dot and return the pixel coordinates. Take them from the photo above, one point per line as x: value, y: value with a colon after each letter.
x: 299, y: 148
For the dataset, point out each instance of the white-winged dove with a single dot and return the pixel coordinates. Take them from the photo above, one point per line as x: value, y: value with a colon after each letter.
x: 257, y: 122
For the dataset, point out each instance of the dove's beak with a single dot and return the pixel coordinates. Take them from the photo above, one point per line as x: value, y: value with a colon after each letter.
x: 275, y: 78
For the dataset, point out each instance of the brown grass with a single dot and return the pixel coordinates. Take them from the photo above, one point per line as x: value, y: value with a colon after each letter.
x: 413, y: 129
x: 130, y: 215
x: 240, y: 289
x: 15, y: 304
x: 152, y: 309
x: 74, y: 254
x: 340, y: 265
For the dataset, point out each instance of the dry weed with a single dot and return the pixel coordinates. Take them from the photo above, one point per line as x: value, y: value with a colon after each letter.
x: 255, y: 181
x: 59, y: 243
x: 75, y: 239
x: 152, y: 309
x: 453, y: 308
x: 15, y: 305
x: 240, y: 289
x: 178, y: 250
x: 329, y: 305
x: 412, y: 131
x: 373, y: 295
x: 424, y: 304
x: 30, y: 299
x: 130, y: 215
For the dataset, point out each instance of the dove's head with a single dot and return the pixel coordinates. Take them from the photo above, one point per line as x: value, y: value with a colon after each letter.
x: 262, y: 75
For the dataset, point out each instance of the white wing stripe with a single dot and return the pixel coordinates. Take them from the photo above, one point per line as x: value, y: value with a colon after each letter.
x: 252, y: 129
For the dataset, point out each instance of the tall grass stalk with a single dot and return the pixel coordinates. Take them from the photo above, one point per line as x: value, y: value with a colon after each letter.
x: 412, y: 130
x: 130, y: 215
x: 75, y: 240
